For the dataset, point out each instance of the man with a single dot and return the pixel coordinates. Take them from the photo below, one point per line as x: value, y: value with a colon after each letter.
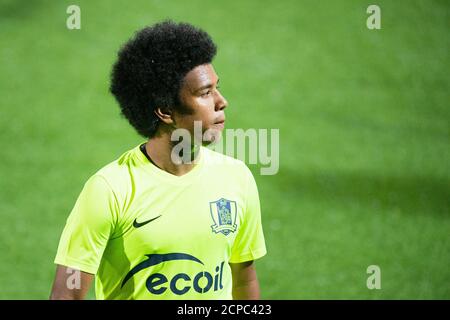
x: 149, y: 226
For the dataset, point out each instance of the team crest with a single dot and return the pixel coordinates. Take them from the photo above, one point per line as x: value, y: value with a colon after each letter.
x: 223, y: 213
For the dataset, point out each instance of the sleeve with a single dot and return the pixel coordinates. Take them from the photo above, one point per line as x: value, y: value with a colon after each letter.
x: 249, y: 243
x: 88, y: 227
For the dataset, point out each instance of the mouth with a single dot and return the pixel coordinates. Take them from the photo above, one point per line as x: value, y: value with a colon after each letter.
x: 220, y: 119
x: 220, y: 123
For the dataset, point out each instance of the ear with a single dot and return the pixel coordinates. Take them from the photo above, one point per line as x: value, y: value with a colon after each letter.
x: 165, y: 115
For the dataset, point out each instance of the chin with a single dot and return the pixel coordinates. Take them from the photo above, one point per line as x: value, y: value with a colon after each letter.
x: 207, y: 143
x: 211, y: 136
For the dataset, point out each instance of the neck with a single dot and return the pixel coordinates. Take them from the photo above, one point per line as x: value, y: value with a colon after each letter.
x: 159, y: 148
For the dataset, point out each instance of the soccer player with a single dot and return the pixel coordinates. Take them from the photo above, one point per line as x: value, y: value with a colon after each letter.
x: 146, y: 226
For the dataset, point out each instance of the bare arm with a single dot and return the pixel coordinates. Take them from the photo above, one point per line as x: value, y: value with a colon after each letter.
x: 70, y: 284
x: 245, y: 281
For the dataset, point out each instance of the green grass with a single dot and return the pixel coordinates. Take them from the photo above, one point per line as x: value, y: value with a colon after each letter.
x: 364, y: 127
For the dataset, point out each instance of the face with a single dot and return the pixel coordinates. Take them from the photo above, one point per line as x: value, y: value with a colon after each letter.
x: 201, y: 101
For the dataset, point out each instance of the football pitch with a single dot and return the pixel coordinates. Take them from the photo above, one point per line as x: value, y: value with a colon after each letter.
x: 363, y: 117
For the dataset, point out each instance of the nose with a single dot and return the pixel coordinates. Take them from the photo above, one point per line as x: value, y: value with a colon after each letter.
x: 220, y: 103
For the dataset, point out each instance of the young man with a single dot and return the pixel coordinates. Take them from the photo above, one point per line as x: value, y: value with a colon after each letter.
x: 148, y: 226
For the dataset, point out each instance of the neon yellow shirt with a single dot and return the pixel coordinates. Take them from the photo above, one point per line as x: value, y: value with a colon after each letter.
x: 148, y: 234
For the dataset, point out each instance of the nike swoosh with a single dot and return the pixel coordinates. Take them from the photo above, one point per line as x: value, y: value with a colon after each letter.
x: 140, y: 224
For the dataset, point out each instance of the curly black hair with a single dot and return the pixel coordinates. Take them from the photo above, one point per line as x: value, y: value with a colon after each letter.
x: 150, y: 69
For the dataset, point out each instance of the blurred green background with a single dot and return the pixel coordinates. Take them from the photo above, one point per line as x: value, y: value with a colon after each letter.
x: 363, y: 115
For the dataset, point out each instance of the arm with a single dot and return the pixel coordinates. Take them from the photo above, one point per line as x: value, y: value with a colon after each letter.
x: 84, y: 239
x: 70, y: 284
x: 245, y: 281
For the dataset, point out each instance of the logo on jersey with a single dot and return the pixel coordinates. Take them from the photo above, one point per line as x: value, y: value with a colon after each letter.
x: 223, y: 213
x: 156, y: 281
x: 141, y: 224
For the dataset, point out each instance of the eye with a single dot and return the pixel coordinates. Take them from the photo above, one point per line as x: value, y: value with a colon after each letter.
x: 207, y: 93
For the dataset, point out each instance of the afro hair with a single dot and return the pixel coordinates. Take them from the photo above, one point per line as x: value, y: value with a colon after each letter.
x: 150, y: 69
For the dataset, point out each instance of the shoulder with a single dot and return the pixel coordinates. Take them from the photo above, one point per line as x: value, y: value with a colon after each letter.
x: 116, y: 175
x: 227, y: 165
x: 215, y: 158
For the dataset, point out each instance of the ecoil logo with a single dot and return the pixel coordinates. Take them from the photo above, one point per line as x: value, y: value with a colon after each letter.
x: 155, y: 282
